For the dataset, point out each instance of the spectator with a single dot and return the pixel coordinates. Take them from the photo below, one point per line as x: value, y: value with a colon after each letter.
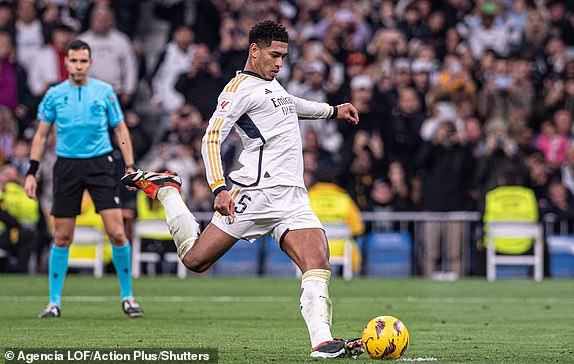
x: 174, y: 150
x: 488, y: 34
x: 453, y: 79
x: 401, y: 138
x: 401, y: 187
x: 29, y: 33
x: 140, y: 138
x: 552, y: 144
x: 421, y: 71
x: 535, y: 33
x: 499, y: 154
x: 14, y: 93
x: 446, y: 166
x: 172, y: 62
x: 539, y: 175
x: 20, y: 160
x: 16, y: 211
x: 502, y: 92
x: 233, y: 47
x: 329, y: 139
x: 48, y: 68
x: 559, y: 24
x: 567, y: 170
x: 412, y: 25
x: 113, y: 55
x: 200, y: 195
x: 323, y: 159
x: 7, y: 21
x: 8, y: 131
x: 201, y: 15
x: 359, y: 179
x: 202, y: 82
x: 560, y: 202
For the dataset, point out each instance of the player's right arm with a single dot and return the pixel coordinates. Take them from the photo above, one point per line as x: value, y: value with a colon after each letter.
x: 232, y: 103
x: 46, y: 117
x: 36, y: 152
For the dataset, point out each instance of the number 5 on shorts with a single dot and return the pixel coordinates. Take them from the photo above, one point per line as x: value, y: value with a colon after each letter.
x: 241, y: 205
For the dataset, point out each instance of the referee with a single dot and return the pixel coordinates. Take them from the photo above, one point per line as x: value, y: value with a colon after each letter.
x: 83, y: 109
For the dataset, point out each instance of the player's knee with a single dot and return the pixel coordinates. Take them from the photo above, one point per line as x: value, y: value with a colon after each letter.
x: 62, y: 239
x: 117, y: 237
x: 195, y: 265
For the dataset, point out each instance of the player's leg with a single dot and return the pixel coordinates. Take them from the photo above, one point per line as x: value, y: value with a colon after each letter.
x: 309, y: 250
x: 197, y: 252
x: 102, y: 186
x: 181, y: 223
x: 211, y: 245
x: 58, y: 263
x: 121, y: 257
x: 68, y: 189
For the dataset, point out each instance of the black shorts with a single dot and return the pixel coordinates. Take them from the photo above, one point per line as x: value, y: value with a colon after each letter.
x: 73, y: 175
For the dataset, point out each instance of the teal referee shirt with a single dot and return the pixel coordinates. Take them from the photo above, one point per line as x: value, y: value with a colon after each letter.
x: 82, y: 116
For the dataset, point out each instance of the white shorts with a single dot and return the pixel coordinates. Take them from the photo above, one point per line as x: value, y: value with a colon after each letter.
x: 273, y: 210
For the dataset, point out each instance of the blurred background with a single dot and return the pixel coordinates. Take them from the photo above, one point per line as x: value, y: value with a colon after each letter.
x: 456, y: 98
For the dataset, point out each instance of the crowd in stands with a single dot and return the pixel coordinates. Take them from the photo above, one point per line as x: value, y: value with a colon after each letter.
x: 451, y: 94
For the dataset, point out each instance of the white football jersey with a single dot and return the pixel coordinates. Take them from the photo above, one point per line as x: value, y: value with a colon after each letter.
x: 266, y: 118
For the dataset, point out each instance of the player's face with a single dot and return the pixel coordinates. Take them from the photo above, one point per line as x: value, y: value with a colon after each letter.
x: 270, y: 59
x: 78, y: 63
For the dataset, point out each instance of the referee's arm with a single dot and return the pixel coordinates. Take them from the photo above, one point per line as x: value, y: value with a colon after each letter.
x: 125, y: 144
x: 36, y: 152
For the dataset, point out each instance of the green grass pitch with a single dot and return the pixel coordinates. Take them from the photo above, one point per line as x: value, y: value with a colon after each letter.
x: 257, y: 320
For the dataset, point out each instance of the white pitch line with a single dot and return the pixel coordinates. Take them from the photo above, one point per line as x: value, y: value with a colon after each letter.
x: 417, y: 359
x: 294, y: 298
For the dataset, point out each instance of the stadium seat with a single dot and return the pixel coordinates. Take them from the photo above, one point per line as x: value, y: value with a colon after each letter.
x: 84, y: 237
x: 388, y: 254
x: 241, y: 260
x: 518, y: 230
x: 151, y: 225
x: 561, y: 255
x: 156, y: 230
x: 342, y: 232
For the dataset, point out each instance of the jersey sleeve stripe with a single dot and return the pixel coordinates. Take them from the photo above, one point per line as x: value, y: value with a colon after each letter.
x: 241, y: 79
x: 213, y: 150
x: 209, y: 164
x: 217, y: 156
x: 210, y: 141
x: 215, y: 185
x: 213, y: 140
x: 230, y: 84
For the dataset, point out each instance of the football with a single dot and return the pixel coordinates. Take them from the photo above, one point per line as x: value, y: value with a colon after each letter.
x: 385, y: 337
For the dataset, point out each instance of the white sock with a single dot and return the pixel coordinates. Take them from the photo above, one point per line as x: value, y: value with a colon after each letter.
x: 316, y: 306
x: 181, y: 222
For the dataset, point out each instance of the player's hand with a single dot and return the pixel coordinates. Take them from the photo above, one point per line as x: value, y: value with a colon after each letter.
x: 348, y: 112
x: 30, y: 185
x: 224, y: 204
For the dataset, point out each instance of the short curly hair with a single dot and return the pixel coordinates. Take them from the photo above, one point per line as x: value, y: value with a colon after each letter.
x: 263, y: 33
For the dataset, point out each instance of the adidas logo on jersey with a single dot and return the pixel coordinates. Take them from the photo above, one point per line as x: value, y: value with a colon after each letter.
x: 267, y: 91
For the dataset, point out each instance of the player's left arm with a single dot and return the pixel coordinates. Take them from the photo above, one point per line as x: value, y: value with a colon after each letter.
x: 124, y: 141
x: 319, y: 110
x: 121, y: 131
